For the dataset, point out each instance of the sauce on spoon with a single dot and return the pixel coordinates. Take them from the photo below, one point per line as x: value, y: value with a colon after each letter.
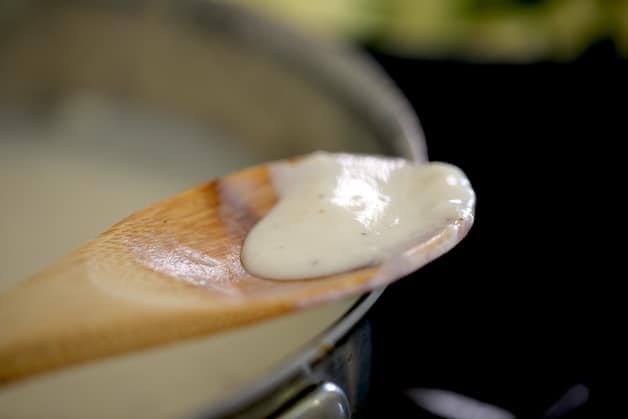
x: 339, y: 212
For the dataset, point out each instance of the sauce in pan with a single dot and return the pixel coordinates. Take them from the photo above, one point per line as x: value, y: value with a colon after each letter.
x: 69, y: 176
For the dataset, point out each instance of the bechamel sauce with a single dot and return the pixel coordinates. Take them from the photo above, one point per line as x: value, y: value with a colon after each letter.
x: 64, y: 180
x: 339, y: 212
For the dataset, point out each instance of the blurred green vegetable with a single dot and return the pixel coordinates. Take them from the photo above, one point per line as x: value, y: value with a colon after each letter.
x: 487, y: 30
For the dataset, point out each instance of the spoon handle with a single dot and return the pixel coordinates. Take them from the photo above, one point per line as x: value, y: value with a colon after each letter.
x: 63, y: 316
x: 168, y: 272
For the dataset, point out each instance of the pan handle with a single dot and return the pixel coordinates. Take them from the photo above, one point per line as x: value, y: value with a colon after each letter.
x: 325, y: 400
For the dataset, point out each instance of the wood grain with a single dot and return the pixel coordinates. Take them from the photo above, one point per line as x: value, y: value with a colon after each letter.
x: 170, y: 272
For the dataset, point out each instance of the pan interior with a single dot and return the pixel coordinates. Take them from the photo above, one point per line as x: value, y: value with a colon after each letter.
x: 105, y: 109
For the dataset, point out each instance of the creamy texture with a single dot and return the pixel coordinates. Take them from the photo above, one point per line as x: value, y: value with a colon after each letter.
x: 69, y: 176
x: 339, y: 212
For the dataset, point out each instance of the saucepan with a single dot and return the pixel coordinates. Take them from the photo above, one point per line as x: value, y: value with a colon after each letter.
x: 109, y: 106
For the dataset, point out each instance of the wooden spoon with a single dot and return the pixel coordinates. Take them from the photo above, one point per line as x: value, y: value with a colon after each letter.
x: 169, y: 272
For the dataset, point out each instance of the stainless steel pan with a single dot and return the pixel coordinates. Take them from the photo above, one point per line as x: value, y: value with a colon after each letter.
x: 177, y: 92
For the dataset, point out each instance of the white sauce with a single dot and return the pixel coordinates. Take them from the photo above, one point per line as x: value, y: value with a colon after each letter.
x: 66, y: 179
x: 339, y: 212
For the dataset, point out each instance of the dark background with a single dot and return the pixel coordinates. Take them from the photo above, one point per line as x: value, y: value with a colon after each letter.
x: 521, y: 310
